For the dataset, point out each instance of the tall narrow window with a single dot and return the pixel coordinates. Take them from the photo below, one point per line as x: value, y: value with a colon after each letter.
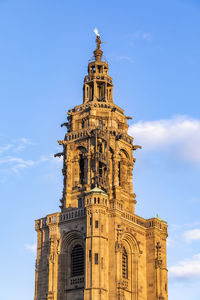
x: 100, y: 69
x: 124, y: 264
x: 99, y: 92
x: 119, y: 173
x: 96, y: 259
x: 77, y: 261
x: 109, y: 94
x: 80, y: 203
x: 81, y: 166
x: 90, y: 255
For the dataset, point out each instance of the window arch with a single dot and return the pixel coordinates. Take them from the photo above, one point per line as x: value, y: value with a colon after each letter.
x: 124, y: 264
x: 77, y: 261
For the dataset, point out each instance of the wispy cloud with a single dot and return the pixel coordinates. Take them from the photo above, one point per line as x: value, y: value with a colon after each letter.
x: 32, y: 248
x: 5, y: 148
x: 170, y: 242
x: 141, y: 35
x: 147, y: 36
x: 16, y: 145
x: 3, y: 179
x: 125, y: 58
x: 17, y: 163
x: 186, y: 269
x: 11, y: 162
x: 22, y: 143
x: 122, y: 58
x: 179, y: 135
x: 191, y: 235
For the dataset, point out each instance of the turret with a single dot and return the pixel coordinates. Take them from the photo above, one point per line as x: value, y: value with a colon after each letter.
x: 98, y: 85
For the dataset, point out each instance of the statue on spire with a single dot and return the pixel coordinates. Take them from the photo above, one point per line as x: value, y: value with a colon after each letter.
x: 98, y: 40
x: 98, y: 52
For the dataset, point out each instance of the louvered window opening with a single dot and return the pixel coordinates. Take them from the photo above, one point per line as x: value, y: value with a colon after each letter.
x: 124, y: 264
x: 77, y: 259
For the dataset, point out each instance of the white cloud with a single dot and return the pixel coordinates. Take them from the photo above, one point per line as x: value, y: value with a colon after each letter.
x: 10, y: 162
x: 26, y: 141
x: 5, y: 148
x: 22, y: 143
x: 3, y: 179
x: 170, y: 242
x: 16, y: 145
x: 147, y: 36
x: 186, y: 269
x: 191, y: 235
x: 179, y: 135
x: 17, y: 163
x: 125, y: 58
x: 141, y: 35
x: 31, y: 248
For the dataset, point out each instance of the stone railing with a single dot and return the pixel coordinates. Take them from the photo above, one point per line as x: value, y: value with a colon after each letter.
x: 149, y: 223
x: 95, y: 104
x: 81, y: 212
x: 78, y: 280
x: 133, y: 218
x: 98, y: 76
x: 76, y: 134
x: 60, y: 217
x: 73, y: 214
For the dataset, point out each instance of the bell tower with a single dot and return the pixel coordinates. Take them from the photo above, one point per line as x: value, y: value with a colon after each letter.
x: 97, y: 149
x: 96, y: 247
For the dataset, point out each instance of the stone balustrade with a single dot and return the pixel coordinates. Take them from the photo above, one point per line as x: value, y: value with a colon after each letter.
x: 81, y: 212
x: 73, y: 214
x: 60, y: 217
x: 98, y: 77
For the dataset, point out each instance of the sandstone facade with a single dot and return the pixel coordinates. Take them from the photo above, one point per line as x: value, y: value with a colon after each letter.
x: 97, y: 248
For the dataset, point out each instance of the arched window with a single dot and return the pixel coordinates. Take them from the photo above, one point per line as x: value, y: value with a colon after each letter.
x: 77, y: 261
x: 124, y: 264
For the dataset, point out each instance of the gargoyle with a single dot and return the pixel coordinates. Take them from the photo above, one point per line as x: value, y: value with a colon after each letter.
x: 64, y: 124
x: 58, y: 154
x: 135, y: 147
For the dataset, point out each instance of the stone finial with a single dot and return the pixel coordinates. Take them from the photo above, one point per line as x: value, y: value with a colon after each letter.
x: 98, y: 52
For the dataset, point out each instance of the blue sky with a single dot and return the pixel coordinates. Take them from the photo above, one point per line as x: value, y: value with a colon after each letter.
x: 153, y: 52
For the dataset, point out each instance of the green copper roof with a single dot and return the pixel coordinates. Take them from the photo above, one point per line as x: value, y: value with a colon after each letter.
x: 96, y: 190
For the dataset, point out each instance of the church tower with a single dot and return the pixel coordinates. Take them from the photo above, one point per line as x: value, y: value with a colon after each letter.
x: 96, y: 247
